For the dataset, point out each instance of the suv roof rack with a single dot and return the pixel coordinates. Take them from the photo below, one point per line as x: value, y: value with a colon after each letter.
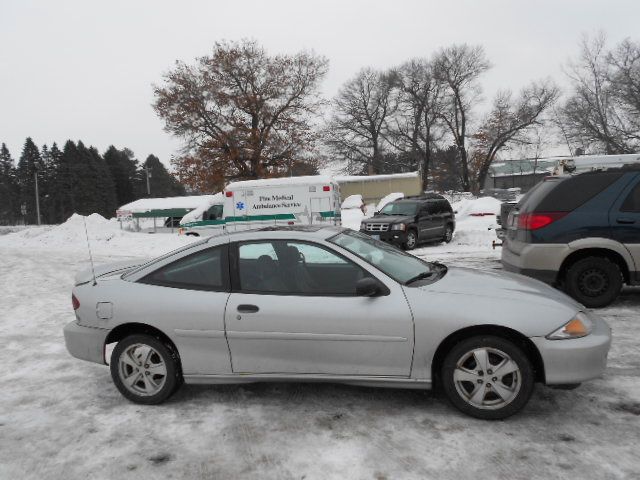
x: 424, y: 196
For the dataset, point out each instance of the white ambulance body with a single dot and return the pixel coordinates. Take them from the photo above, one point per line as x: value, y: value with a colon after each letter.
x: 308, y: 200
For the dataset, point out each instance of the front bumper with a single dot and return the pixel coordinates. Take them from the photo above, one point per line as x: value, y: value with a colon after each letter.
x: 576, y: 360
x: 85, y: 343
x: 397, y: 237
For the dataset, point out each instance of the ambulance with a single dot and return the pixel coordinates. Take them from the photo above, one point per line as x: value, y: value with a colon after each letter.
x: 308, y: 200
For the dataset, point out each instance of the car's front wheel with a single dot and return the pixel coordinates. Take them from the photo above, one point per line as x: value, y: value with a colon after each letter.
x: 145, y: 369
x: 487, y: 377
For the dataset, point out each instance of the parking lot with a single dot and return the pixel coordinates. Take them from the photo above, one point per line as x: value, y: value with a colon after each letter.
x: 63, y: 418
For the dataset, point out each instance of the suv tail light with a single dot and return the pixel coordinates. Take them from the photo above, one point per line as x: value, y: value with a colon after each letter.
x: 536, y: 220
x: 75, y: 302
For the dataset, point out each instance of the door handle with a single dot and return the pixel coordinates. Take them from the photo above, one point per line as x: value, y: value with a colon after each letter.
x: 625, y: 220
x: 248, y: 308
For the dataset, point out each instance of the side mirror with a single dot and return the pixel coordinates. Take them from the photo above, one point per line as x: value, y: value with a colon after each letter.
x: 367, y: 287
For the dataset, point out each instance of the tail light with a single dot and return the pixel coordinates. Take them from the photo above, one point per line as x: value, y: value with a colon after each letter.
x: 75, y: 302
x: 537, y: 220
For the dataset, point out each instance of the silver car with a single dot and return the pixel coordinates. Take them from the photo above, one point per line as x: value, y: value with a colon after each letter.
x: 330, y: 305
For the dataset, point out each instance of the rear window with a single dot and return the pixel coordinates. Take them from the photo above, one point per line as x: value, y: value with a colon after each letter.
x: 567, y: 195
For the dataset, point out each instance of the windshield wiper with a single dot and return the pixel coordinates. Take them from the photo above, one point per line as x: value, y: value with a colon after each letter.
x: 421, y: 276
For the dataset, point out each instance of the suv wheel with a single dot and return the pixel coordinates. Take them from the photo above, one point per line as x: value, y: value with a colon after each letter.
x: 594, y: 281
x: 448, y: 234
x: 145, y: 370
x: 411, y: 241
x: 487, y: 377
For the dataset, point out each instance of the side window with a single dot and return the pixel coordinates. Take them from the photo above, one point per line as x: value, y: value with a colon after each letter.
x: 295, y: 268
x: 632, y: 202
x: 214, y: 213
x: 204, y: 270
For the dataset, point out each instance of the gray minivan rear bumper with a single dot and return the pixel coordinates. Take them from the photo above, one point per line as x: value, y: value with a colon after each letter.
x: 540, y: 261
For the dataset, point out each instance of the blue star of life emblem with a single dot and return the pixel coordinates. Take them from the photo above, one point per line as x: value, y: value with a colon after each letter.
x: 240, y: 205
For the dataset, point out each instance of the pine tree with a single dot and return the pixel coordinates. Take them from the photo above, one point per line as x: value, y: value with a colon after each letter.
x: 105, y: 200
x: 123, y: 167
x: 29, y: 165
x: 162, y: 183
x: 56, y: 191
x: 8, y: 188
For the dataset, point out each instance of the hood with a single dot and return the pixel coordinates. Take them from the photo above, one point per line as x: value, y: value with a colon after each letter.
x: 121, y: 267
x: 390, y: 219
x: 464, y: 297
x: 500, y: 285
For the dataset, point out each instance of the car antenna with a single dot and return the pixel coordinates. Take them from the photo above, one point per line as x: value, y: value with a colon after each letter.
x: 86, y: 234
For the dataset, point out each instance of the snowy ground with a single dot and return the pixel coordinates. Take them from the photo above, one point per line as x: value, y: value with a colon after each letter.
x: 62, y: 418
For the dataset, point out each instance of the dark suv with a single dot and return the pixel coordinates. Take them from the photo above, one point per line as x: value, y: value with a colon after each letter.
x: 412, y: 220
x: 580, y: 233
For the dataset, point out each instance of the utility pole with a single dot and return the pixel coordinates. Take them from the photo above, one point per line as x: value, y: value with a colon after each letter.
x: 148, y: 172
x: 35, y: 176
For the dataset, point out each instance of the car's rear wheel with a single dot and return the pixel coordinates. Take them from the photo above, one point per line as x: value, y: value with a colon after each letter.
x: 145, y: 369
x: 412, y: 240
x: 448, y: 234
x: 487, y: 377
x: 594, y: 281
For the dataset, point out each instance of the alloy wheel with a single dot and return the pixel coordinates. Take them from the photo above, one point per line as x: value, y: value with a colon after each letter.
x: 142, y: 369
x: 487, y: 378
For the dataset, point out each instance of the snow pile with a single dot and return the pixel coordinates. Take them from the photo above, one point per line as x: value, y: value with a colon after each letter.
x: 388, y: 199
x: 105, y: 237
x: 476, y: 221
x: 352, y: 201
x: 477, y: 207
x: 195, y: 215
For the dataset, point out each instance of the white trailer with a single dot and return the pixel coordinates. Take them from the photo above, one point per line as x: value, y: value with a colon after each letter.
x: 308, y: 200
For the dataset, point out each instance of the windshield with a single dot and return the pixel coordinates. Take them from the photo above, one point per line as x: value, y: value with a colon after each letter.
x: 399, y: 208
x: 400, y: 266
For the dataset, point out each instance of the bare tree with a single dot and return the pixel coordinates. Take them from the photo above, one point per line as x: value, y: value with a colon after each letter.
x: 246, y: 112
x: 458, y: 67
x: 509, y: 122
x: 602, y: 110
x: 413, y: 130
x: 361, y: 109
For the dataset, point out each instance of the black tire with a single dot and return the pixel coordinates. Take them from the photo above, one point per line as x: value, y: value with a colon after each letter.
x: 594, y: 281
x: 448, y: 234
x: 412, y: 240
x: 492, y: 406
x: 162, y: 354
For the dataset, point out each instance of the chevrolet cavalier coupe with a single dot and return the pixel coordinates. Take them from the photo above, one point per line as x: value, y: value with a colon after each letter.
x: 330, y: 304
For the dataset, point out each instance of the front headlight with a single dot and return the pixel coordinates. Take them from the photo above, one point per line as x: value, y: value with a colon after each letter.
x: 398, y: 226
x: 578, y: 326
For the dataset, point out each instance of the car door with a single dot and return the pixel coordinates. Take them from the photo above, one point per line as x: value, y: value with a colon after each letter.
x: 186, y: 299
x: 430, y: 223
x: 624, y: 219
x: 293, y: 310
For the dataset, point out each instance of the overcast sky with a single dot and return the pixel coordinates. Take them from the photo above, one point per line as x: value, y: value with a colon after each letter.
x: 84, y: 69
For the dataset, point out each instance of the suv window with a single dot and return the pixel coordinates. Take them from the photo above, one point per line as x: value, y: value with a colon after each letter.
x: 204, y: 270
x: 569, y: 194
x: 295, y: 268
x: 400, y: 208
x: 632, y: 202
